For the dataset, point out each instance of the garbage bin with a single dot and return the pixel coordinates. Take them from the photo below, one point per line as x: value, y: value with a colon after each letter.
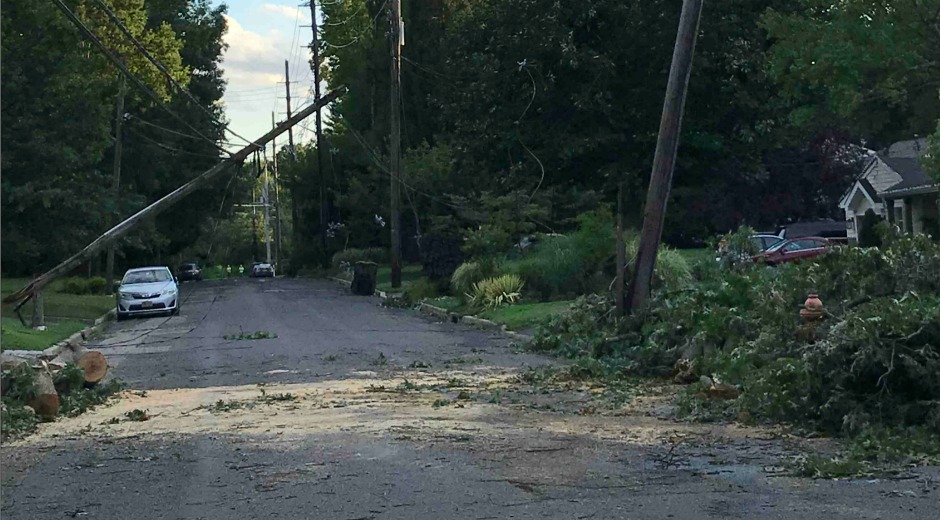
x: 364, y: 274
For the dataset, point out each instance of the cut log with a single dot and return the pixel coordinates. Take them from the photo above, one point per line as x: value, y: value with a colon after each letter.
x: 95, y: 366
x: 46, y: 402
x: 92, y: 362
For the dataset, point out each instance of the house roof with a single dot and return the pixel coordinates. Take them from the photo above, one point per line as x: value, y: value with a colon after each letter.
x: 820, y: 228
x: 913, y: 177
x: 869, y: 189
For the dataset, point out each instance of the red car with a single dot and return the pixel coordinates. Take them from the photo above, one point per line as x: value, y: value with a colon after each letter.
x: 794, y: 250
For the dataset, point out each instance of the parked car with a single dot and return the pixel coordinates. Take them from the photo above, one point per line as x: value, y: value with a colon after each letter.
x: 261, y: 270
x: 764, y: 241
x: 794, y: 250
x: 146, y: 291
x: 189, y: 271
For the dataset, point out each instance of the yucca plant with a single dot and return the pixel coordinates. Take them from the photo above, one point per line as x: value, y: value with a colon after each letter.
x: 496, y: 291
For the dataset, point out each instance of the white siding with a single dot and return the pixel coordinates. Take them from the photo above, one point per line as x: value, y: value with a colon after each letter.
x: 881, y: 177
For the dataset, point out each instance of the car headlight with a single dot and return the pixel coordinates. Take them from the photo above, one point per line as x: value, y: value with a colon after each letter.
x: 125, y: 296
x: 169, y: 292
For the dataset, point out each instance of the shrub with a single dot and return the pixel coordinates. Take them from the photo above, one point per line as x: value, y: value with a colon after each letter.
x: 672, y: 270
x: 873, y: 361
x: 552, y: 268
x: 868, y: 234
x: 351, y: 256
x: 440, y: 256
x: 421, y: 289
x: 98, y: 285
x: 469, y: 274
x: 497, y: 291
x: 74, y: 285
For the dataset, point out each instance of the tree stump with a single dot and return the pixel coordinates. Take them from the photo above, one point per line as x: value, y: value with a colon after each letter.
x: 364, y: 278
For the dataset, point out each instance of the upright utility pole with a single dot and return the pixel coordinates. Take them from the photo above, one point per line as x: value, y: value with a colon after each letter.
x: 277, y: 200
x: 395, y: 145
x: 116, y: 177
x: 324, y: 208
x: 290, y: 131
x: 664, y: 161
x: 265, y: 196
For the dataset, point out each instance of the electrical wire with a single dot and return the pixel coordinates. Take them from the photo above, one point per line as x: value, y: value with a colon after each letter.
x: 110, y: 55
x: 169, y: 148
x: 143, y: 51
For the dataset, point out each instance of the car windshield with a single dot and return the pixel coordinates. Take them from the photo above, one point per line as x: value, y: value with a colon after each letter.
x: 776, y: 246
x: 146, y: 276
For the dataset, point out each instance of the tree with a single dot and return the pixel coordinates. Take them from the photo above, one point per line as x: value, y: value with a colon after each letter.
x: 869, y: 66
x: 868, y: 234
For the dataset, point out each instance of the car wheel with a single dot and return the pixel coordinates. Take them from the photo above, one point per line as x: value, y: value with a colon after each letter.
x: 176, y: 311
x: 121, y: 317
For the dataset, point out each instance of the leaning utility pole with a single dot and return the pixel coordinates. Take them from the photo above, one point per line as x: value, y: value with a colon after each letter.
x: 116, y: 177
x: 664, y: 161
x: 397, y: 36
x: 23, y: 295
x: 324, y: 209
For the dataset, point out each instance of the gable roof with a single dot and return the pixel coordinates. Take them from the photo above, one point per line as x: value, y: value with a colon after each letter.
x: 913, y: 177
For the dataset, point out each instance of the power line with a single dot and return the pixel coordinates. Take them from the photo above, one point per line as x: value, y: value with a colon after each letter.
x: 143, y: 50
x: 168, y: 130
x: 168, y: 148
x: 109, y: 54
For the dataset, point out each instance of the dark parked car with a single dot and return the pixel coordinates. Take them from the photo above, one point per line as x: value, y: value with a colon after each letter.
x: 189, y: 271
x: 794, y: 250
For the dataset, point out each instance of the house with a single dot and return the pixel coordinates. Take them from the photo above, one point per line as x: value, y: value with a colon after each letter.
x: 895, y: 186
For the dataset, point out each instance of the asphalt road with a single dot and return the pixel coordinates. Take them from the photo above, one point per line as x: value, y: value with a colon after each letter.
x: 356, y: 411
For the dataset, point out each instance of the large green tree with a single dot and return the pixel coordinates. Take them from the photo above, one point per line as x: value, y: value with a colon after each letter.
x: 58, y: 107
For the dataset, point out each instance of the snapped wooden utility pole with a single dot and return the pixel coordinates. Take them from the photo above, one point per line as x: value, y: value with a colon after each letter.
x: 397, y: 36
x: 168, y: 200
x: 664, y: 161
x: 290, y: 131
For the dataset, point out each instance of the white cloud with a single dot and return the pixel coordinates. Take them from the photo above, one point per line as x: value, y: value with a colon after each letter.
x: 253, y: 65
x: 288, y: 11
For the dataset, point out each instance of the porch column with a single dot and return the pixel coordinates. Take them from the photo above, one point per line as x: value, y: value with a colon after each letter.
x: 889, y: 209
x: 908, y: 215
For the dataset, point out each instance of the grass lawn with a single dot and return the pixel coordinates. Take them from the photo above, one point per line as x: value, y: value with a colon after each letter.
x: 14, y: 336
x: 525, y: 315
x: 409, y: 273
x: 58, y: 305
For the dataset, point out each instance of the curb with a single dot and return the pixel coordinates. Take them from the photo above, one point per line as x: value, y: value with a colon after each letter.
x: 472, y: 321
x: 347, y: 283
x: 444, y: 314
x: 100, y: 323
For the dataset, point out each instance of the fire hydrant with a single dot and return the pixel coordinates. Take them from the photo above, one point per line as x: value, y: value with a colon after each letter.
x: 813, y: 309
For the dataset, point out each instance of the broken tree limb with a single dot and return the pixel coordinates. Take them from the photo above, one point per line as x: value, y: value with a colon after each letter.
x: 93, y: 363
x: 168, y: 200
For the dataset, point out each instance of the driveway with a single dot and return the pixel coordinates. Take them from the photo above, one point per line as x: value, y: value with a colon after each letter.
x: 293, y: 399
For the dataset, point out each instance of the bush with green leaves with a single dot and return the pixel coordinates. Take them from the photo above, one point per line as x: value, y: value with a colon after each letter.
x: 496, y: 291
x: 873, y: 361
x: 79, y: 285
x: 469, y: 274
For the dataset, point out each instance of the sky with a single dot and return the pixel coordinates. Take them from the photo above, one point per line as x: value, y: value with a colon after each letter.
x: 260, y: 37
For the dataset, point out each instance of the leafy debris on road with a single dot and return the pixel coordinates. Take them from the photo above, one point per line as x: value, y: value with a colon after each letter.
x: 247, y: 336
x: 137, y: 415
